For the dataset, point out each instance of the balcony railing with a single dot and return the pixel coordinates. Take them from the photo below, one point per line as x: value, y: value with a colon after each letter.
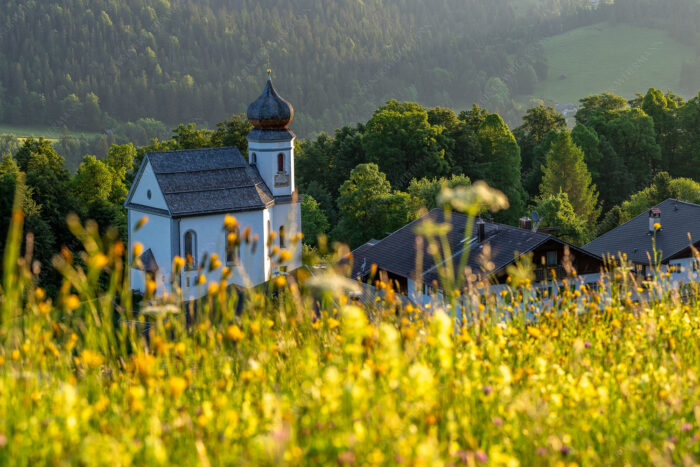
x: 549, y: 273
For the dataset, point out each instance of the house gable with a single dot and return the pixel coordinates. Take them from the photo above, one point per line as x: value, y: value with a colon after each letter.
x: 146, y: 191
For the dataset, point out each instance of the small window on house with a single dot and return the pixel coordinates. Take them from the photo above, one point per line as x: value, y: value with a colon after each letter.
x: 280, y: 162
x: 149, y: 194
x: 551, y: 258
x: 191, y: 249
x: 255, y: 159
x: 283, y: 241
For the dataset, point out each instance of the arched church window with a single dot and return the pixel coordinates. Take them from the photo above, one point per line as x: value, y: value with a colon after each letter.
x: 282, y: 239
x: 255, y: 159
x: 280, y: 162
x: 191, y: 249
x: 232, y: 245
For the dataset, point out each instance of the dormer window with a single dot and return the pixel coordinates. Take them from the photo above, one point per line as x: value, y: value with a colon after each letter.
x: 280, y: 162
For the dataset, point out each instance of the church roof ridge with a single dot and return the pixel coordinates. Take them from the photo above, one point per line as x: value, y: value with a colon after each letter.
x: 192, y: 181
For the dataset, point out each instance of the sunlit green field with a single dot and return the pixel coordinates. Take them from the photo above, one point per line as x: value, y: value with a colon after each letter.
x: 306, y: 376
x: 50, y: 133
x: 621, y: 59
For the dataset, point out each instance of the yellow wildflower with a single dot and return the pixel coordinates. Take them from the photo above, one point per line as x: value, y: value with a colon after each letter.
x: 178, y: 263
x: 285, y: 256
x: 143, y: 221
x: 177, y: 385
x: 234, y: 333
x: 99, y: 261
x: 138, y: 249
x: 230, y: 222
x: 71, y: 302
x: 333, y: 323
x: 91, y: 359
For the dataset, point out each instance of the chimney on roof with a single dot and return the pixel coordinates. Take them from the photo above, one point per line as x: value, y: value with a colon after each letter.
x: 481, y: 230
x: 654, y: 219
x: 526, y: 223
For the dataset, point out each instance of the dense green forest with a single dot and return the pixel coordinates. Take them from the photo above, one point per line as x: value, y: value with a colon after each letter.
x: 88, y: 65
x: 366, y: 180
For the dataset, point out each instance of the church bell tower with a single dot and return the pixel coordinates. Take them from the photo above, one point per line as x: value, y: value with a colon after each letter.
x: 271, y: 143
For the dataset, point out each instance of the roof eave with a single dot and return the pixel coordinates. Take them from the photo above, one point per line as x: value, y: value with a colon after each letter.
x: 214, y: 212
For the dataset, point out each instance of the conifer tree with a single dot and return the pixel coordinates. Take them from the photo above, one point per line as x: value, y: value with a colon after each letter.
x: 565, y: 171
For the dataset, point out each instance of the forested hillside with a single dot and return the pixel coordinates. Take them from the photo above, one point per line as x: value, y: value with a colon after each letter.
x: 89, y: 65
x: 76, y: 63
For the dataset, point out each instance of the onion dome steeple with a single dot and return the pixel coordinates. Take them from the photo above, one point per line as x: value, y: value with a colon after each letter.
x: 270, y: 111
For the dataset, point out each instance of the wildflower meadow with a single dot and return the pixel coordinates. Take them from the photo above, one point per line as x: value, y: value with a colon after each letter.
x: 306, y: 374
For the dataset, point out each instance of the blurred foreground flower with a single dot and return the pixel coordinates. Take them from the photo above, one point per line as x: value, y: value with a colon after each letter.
x: 333, y: 284
x: 473, y: 199
x: 155, y: 310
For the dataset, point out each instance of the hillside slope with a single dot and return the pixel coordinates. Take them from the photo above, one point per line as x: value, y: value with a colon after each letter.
x: 621, y: 59
x: 69, y: 62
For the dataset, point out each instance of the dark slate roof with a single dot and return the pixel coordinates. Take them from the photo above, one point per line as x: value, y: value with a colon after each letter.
x: 360, y: 265
x: 208, y: 181
x: 397, y: 253
x: 257, y: 134
x: 148, y: 261
x: 506, y: 242
x: 270, y: 111
x: 678, y: 219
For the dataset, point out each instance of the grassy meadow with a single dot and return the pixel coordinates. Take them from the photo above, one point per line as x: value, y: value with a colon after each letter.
x: 621, y: 59
x: 306, y: 376
x: 25, y: 131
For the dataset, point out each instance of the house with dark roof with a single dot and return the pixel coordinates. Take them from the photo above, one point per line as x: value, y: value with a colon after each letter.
x: 187, y: 195
x: 665, y: 235
x: 404, y: 257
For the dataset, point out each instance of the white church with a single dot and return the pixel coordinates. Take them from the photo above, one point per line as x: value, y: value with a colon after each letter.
x: 187, y: 196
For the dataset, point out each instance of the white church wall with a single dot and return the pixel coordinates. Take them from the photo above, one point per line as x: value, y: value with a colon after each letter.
x: 211, y: 238
x: 289, y: 216
x: 155, y: 234
x: 148, y: 183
